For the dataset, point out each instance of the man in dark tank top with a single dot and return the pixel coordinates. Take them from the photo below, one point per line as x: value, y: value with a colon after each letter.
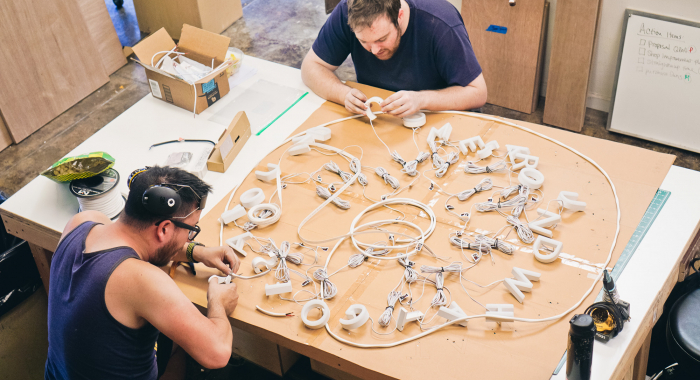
x: 108, y: 300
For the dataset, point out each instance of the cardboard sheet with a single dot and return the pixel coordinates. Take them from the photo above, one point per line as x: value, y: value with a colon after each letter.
x: 481, y: 350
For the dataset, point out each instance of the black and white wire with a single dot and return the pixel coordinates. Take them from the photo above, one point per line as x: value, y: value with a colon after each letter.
x: 334, y: 168
x: 472, y: 168
x: 495, y: 244
x: 328, y: 289
x: 485, y: 184
x: 440, y: 299
x: 411, y: 167
x: 388, y: 178
x: 523, y: 230
x: 325, y: 194
x: 392, y: 298
x: 441, y: 165
x: 356, y: 167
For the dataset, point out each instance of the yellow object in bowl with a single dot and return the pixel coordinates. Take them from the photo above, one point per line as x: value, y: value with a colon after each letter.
x: 235, y: 55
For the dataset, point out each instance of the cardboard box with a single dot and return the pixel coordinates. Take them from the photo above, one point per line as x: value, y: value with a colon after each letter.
x: 230, y: 144
x: 211, y: 15
x: 199, y: 45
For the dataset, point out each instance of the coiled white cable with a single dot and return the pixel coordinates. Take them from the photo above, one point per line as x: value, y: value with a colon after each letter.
x: 282, y: 271
x: 517, y: 203
x: 441, y: 165
x: 388, y: 179
x: 356, y: 167
x: 110, y: 203
x: 410, y: 167
x: 391, y: 300
x: 357, y: 259
x: 495, y: 244
x: 522, y: 197
x: 334, y: 168
x: 409, y: 274
x: 474, y: 246
x: 440, y: 299
x: 472, y: 168
x: 485, y: 184
x: 328, y: 289
x: 508, y: 191
x: 325, y: 194
x: 524, y: 232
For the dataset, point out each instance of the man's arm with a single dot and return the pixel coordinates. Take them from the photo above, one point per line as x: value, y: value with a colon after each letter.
x: 221, y: 258
x: 404, y: 103
x: 320, y: 77
x: 458, y: 98
x: 138, y: 291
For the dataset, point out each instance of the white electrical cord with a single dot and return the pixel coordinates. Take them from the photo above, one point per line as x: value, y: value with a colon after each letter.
x: 440, y: 165
x: 110, y: 203
x: 485, y: 184
x: 356, y: 167
x: 410, y: 167
x: 325, y: 194
x: 495, y: 244
x: 409, y: 274
x: 388, y: 179
x: 524, y: 232
x: 272, y: 313
x: 334, y: 168
x: 471, y: 168
x: 391, y: 300
x: 440, y: 299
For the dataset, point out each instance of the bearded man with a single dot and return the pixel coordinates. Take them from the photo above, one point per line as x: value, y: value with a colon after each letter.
x: 418, y: 48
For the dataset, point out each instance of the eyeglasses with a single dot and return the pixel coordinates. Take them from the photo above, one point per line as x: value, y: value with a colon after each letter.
x: 194, y: 230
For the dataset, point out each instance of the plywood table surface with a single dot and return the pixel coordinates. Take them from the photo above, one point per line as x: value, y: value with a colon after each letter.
x: 481, y: 347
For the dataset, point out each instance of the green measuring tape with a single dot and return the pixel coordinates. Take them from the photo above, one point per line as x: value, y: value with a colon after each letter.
x: 657, y: 203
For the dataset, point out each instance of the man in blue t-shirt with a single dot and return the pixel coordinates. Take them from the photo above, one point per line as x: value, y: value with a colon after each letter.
x: 418, y: 48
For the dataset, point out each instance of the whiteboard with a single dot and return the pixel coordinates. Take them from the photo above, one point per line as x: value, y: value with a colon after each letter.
x: 657, y: 89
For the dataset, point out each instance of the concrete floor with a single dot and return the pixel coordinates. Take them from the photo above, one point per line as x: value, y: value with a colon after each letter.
x: 281, y: 31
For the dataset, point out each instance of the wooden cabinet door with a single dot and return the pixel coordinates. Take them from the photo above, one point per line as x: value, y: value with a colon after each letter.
x: 510, y: 58
x: 48, y: 62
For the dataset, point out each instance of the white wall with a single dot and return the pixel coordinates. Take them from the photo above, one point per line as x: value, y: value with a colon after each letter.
x: 605, y: 53
x: 607, y: 45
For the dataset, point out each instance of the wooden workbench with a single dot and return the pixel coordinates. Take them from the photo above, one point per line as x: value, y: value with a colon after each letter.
x: 39, y: 211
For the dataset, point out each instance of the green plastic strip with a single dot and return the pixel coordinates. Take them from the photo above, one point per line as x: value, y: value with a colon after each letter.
x: 657, y: 203
x: 280, y: 115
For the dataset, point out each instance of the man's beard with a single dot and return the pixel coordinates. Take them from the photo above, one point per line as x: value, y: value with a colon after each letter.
x: 391, y: 52
x: 163, y: 255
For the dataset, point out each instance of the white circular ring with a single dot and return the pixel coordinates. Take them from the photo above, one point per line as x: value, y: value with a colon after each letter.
x: 416, y: 120
x: 264, y: 222
x: 357, y: 315
x: 404, y: 201
x: 252, y: 197
x: 317, y: 324
x: 531, y: 178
